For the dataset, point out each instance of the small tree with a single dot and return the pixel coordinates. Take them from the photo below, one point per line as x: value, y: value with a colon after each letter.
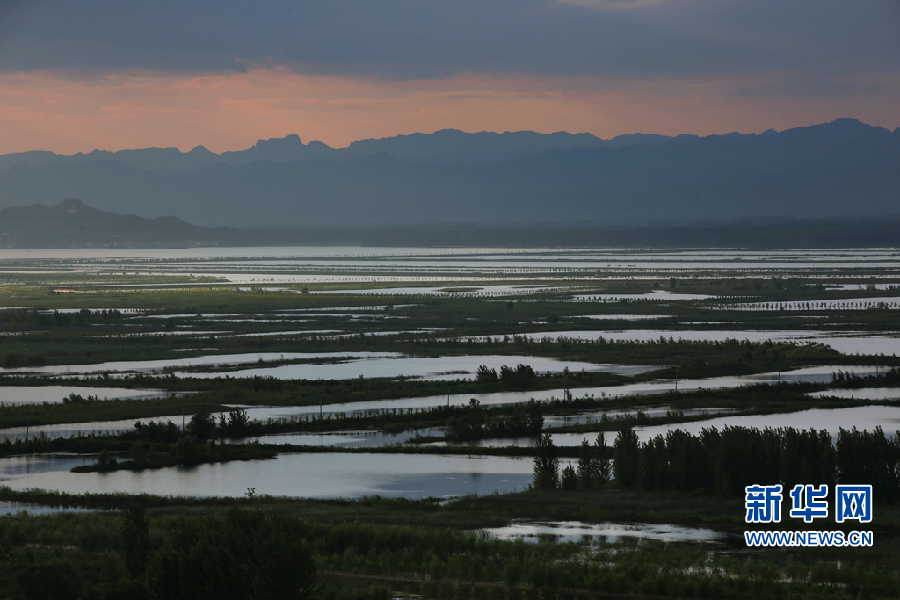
x: 586, y: 465
x: 546, y: 464
x: 534, y: 417
x: 569, y: 478
x: 202, y: 425
x: 603, y: 469
x: 238, y: 422
x: 626, y: 458
x: 485, y: 375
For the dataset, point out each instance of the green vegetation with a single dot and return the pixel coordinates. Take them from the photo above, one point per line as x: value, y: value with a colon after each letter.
x: 185, y: 452
x: 729, y: 460
x: 358, y: 549
x: 155, y: 547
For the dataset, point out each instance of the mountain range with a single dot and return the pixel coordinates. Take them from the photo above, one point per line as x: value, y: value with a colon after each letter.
x: 838, y: 170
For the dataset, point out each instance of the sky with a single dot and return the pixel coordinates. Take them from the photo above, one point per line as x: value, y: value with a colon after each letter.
x: 76, y: 75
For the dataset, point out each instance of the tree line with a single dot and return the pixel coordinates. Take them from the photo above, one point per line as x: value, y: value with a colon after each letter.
x: 726, y: 461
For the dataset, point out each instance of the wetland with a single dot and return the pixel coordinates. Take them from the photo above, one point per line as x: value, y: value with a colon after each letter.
x: 394, y: 399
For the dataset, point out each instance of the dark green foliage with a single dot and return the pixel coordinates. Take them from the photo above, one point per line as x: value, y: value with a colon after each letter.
x: 153, y: 431
x: 202, y: 425
x: 12, y: 360
x: 485, y: 375
x: 186, y: 451
x: 602, y: 469
x: 238, y: 556
x: 236, y: 425
x: 626, y: 458
x: 546, y: 464
x: 135, y: 539
x: 520, y: 377
x: 865, y: 457
x: 475, y: 423
x: 587, y: 465
x: 729, y: 460
x: 105, y: 462
x: 569, y: 478
x: 50, y: 579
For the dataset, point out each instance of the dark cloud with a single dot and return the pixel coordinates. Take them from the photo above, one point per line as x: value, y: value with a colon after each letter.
x: 399, y: 39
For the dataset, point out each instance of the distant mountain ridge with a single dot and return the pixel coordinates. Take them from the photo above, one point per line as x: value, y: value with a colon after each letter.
x: 446, y: 145
x: 842, y: 169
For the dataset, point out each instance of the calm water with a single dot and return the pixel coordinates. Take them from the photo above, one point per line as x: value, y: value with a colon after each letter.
x: 849, y: 303
x: 484, y: 290
x: 816, y: 374
x: 617, y: 317
x: 843, y: 342
x: 70, y: 429
x: 654, y: 295
x: 348, y: 439
x: 55, y: 393
x: 296, y: 475
x: 14, y: 508
x: 442, y: 368
x: 863, y: 418
x: 885, y: 393
x: 601, y: 533
x: 216, y: 360
x: 830, y: 419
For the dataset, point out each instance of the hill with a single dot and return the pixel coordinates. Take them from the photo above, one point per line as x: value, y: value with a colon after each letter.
x: 839, y: 170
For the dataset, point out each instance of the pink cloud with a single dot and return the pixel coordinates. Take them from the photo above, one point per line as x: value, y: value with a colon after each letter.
x: 64, y: 113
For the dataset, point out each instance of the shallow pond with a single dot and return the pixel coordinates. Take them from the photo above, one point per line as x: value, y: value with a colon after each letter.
x: 73, y: 429
x: 615, y: 317
x: 884, y: 302
x: 829, y: 419
x: 594, y: 534
x: 843, y: 342
x: 655, y: 295
x: 883, y: 393
x: 325, y: 475
x: 55, y: 393
x: 212, y: 360
x: 348, y: 439
x: 816, y: 374
x: 485, y: 290
x: 14, y: 508
x: 440, y: 368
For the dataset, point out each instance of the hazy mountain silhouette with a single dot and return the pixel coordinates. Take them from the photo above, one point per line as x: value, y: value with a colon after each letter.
x: 836, y: 170
x: 73, y: 224
x: 448, y: 145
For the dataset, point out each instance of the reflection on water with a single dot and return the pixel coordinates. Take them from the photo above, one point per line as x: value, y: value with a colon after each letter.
x: 14, y: 508
x: 615, y: 317
x: 438, y: 368
x: 348, y: 439
x: 830, y: 419
x: 654, y: 295
x: 326, y: 475
x: 853, y: 342
x: 885, y: 302
x: 816, y: 374
x: 216, y: 360
x: 601, y: 533
x: 884, y: 393
x: 55, y: 393
x: 74, y: 429
x: 485, y: 290
x: 593, y: 416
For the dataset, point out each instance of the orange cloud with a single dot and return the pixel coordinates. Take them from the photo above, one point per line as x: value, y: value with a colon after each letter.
x: 57, y: 111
